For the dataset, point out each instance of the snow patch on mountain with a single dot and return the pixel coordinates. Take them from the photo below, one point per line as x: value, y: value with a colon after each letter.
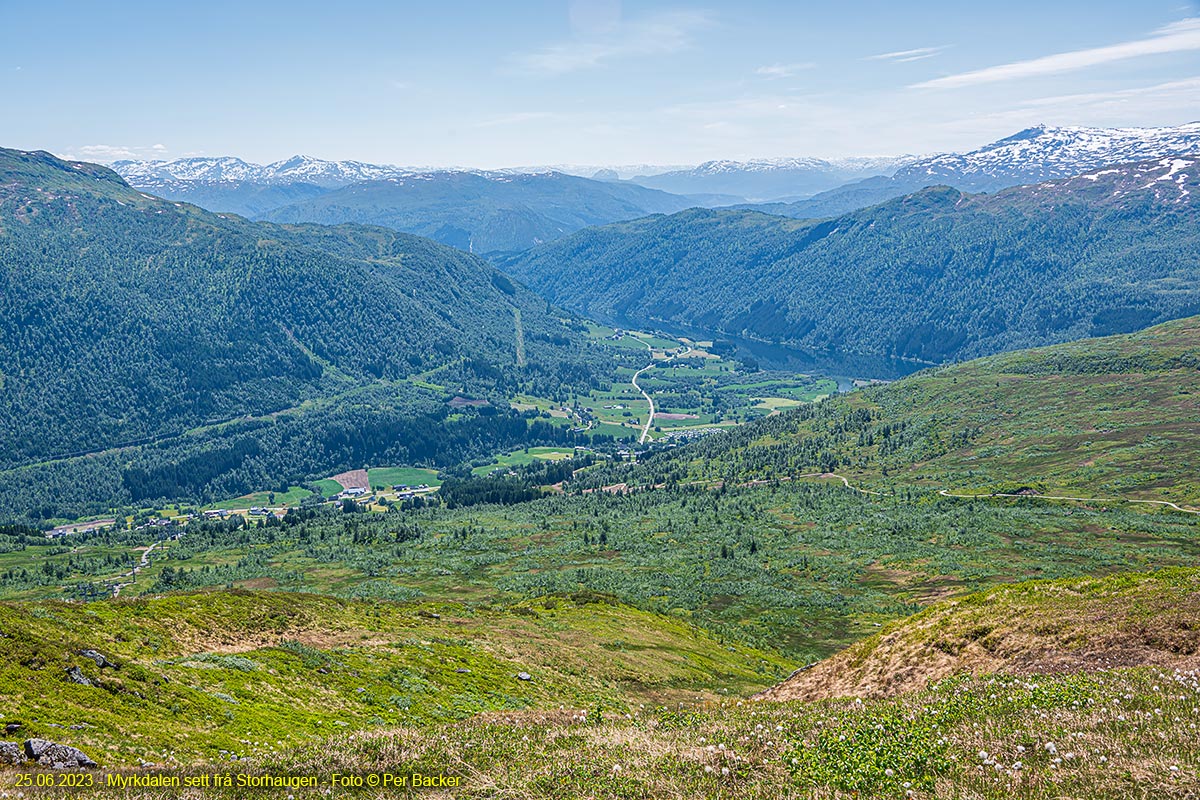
x: 297, y: 169
x: 878, y: 165
x: 1044, y: 152
x: 218, y: 170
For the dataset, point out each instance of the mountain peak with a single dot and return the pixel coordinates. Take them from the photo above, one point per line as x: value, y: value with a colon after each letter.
x: 295, y: 161
x: 1028, y: 133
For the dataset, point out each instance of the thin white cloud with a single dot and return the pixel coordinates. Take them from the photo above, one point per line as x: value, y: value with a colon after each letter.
x: 1170, y: 91
x: 908, y: 55
x: 107, y: 153
x: 104, y: 152
x: 1174, y: 38
x: 656, y: 34
x: 784, y: 70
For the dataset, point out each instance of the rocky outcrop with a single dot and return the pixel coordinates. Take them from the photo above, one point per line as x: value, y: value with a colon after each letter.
x: 75, y: 675
x: 11, y: 753
x: 98, y: 657
x: 45, y: 753
x: 57, y: 756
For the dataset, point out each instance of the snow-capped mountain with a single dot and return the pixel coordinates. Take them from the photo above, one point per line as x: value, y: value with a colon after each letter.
x: 230, y: 184
x: 772, y: 178
x: 833, y: 186
x: 297, y: 169
x: 1044, y: 152
x: 1170, y: 179
x: 758, y: 178
x: 875, y: 165
x: 827, y: 186
x: 189, y: 170
x: 1031, y: 156
x: 328, y: 174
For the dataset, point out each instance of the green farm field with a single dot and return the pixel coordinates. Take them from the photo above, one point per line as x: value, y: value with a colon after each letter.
x: 519, y: 458
x: 408, y: 476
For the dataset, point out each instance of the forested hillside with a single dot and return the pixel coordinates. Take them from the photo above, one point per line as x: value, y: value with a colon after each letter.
x: 130, y: 319
x: 249, y: 199
x: 484, y: 212
x: 936, y: 276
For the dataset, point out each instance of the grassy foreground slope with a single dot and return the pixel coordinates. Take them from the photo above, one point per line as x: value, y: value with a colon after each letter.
x: 1111, y: 736
x: 1045, y: 716
x: 196, y: 674
x: 1104, y: 733
x: 1123, y: 620
x: 1115, y: 417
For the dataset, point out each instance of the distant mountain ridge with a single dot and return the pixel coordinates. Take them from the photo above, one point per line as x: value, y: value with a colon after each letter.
x: 484, y: 212
x: 934, y: 276
x: 227, y: 169
x: 508, y: 210
x: 773, y: 178
x: 1035, y: 154
x: 481, y: 211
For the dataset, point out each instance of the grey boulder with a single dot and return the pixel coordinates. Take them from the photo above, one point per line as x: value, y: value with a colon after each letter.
x: 58, y: 756
x: 75, y: 675
x: 98, y: 657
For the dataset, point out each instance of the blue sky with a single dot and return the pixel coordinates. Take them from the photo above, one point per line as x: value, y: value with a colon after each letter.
x: 585, y: 82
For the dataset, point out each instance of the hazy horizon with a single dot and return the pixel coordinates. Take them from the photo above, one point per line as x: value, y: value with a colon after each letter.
x: 587, y: 82
x: 620, y: 168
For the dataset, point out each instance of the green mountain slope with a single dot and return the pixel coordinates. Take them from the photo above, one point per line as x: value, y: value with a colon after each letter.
x: 484, y: 213
x: 129, y: 319
x: 1112, y: 418
x: 246, y: 198
x: 935, y: 276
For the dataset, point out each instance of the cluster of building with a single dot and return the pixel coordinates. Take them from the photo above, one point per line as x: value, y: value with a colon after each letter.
x: 406, y: 492
x: 689, y: 434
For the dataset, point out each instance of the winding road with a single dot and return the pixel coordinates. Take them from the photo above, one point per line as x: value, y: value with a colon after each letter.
x: 649, y: 399
x: 634, y: 380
